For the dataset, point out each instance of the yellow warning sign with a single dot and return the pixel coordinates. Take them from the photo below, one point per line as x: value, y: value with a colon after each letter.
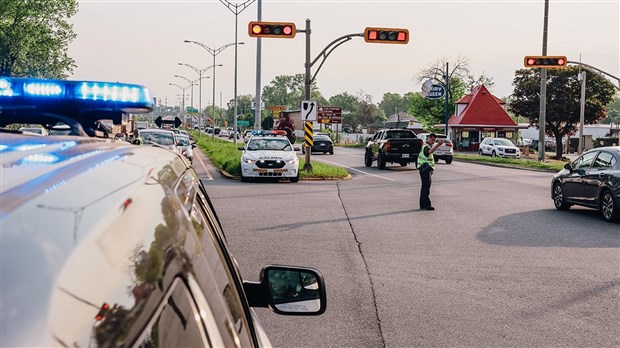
x: 308, y: 134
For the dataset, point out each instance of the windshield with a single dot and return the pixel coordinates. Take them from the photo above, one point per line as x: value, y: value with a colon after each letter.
x: 504, y: 142
x: 322, y: 138
x: 183, y: 140
x: 274, y: 144
x: 32, y: 130
x: 165, y: 139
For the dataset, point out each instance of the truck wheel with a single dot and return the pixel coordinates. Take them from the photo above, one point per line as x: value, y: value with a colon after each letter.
x: 380, y: 162
x: 403, y: 164
x: 368, y: 159
x: 448, y: 160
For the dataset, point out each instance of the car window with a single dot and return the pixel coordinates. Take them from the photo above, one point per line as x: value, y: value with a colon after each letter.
x: 584, y: 161
x: 503, y: 142
x: 274, y: 144
x: 183, y: 140
x: 400, y: 135
x: 176, y: 323
x: 158, y: 138
x: 322, y: 138
x: 604, y: 160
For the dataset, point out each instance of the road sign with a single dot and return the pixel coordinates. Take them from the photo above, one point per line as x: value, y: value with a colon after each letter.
x: 329, y: 114
x: 276, y: 109
x: 308, y: 110
x: 436, y: 92
x: 262, y: 105
x: 191, y: 110
x: 243, y: 123
x: 308, y: 134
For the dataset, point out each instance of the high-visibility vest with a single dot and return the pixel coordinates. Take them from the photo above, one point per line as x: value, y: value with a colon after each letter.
x: 422, y: 158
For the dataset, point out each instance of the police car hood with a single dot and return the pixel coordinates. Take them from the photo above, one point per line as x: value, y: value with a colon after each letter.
x: 264, y: 155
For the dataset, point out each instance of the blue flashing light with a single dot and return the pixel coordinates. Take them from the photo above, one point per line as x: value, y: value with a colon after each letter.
x: 5, y: 88
x: 67, y: 144
x: 43, y: 89
x: 41, y: 158
x: 3, y: 147
x: 28, y: 147
x: 116, y: 92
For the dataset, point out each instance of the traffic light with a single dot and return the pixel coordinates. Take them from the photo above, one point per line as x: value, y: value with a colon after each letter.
x: 553, y: 62
x: 282, y: 30
x: 386, y: 35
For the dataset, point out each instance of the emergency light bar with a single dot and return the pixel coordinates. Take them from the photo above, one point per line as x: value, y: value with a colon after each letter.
x: 37, y: 93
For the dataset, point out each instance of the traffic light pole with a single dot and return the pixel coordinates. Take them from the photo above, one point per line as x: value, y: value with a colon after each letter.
x: 309, y: 64
x: 543, y: 91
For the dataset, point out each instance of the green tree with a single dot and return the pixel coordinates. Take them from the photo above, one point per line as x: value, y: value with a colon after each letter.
x: 563, y: 98
x: 289, y: 90
x: 244, y: 106
x: 430, y: 112
x: 613, y: 112
x: 393, y: 103
x: 34, y: 36
x: 367, y: 112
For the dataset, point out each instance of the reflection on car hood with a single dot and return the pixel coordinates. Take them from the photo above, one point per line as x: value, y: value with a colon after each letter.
x: 270, y: 155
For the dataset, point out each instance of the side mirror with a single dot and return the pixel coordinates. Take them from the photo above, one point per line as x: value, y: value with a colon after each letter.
x: 568, y: 167
x: 179, y: 143
x: 193, y: 145
x: 296, y: 148
x: 288, y: 290
x: 241, y: 148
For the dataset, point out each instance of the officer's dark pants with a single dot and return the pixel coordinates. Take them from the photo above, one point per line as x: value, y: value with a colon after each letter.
x: 426, y: 173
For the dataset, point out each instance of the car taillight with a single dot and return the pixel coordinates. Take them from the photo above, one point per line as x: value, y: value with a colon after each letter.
x: 448, y: 144
x: 388, y: 146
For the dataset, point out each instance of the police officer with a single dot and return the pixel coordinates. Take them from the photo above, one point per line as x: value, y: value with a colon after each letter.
x: 426, y: 166
x: 137, y: 139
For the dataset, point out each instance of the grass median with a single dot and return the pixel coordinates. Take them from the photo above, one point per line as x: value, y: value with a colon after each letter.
x: 225, y: 155
x: 552, y: 166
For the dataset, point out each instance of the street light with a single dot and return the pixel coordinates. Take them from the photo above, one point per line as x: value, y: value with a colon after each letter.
x: 200, y: 72
x: 214, y: 53
x: 183, y: 91
x: 191, y: 83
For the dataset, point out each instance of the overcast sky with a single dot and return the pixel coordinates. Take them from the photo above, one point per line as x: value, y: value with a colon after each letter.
x: 142, y: 41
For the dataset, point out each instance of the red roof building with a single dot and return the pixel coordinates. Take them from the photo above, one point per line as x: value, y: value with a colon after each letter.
x: 480, y: 115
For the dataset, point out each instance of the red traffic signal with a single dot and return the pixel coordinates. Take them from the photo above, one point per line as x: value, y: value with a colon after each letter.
x: 272, y: 29
x: 553, y: 62
x: 386, y: 35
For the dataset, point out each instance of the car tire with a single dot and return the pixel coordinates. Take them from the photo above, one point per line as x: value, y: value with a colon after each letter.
x: 368, y: 159
x: 244, y: 178
x: 331, y: 152
x: 493, y: 154
x: 609, y: 209
x: 403, y: 164
x: 480, y: 153
x: 295, y: 179
x: 380, y: 162
x: 559, y: 201
x: 449, y: 160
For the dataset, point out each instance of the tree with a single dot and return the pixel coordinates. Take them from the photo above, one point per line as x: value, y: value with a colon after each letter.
x: 613, y: 112
x: 563, y: 98
x: 393, y: 103
x: 244, y: 106
x: 34, y: 37
x: 432, y: 112
x: 289, y: 90
x: 367, y: 112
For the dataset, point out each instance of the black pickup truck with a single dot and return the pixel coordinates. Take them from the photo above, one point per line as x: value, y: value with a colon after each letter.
x: 394, y: 146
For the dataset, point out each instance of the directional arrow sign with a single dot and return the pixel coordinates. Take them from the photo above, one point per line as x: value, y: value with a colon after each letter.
x: 308, y: 110
x: 436, y: 92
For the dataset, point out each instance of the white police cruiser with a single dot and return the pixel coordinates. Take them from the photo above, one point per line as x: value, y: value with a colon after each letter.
x: 269, y: 155
x: 109, y: 244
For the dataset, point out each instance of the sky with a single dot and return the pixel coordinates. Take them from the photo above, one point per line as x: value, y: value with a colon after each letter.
x: 141, y: 41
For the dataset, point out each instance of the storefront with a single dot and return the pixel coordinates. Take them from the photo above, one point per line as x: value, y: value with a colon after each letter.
x: 480, y: 115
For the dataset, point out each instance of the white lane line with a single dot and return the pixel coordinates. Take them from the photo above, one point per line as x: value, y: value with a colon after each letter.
x: 204, y: 167
x: 357, y: 170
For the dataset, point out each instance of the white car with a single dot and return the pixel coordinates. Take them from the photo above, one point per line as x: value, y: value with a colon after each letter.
x: 499, y: 147
x: 445, y: 151
x: 269, y: 156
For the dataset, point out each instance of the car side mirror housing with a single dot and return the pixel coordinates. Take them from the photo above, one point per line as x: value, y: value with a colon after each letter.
x: 193, y: 145
x: 241, y: 148
x: 297, y: 148
x: 179, y: 143
x: 568, y: 167
x: 288, y: 290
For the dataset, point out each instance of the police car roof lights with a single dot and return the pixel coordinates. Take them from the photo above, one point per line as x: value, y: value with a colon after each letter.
x: 19, y: 92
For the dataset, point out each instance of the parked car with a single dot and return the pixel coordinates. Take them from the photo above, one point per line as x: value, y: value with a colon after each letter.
x: 161, y: 137
x: 232, y: 134
x: 126, y: 249
x: 445, y: 151
x: 499, y: 147
x: 321, y: 143
x: 186, y: 147
x: 400, y: 146
x: 269, y: 156
x: 592, y: 180
x: 223, y: 133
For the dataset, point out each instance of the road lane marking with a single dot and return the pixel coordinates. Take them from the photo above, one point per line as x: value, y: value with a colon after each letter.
x: 204, y: 167
x: 354, y: 169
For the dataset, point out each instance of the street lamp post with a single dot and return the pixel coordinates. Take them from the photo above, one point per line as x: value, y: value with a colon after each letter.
x: 236, y: 9
x: 183, y: 92
x: 191, y: 84
x: 200, y: 72
x: 214, y: 53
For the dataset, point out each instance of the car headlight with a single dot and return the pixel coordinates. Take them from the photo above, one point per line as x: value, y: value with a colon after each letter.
x: 250, y: 161
x: 291, y: 161
x: 500, y: 149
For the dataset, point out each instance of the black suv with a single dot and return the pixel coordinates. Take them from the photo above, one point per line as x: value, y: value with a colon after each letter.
x: 109, y: 244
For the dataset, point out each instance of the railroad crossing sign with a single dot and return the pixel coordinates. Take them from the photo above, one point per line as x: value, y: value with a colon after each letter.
x: 308, y: 110
x: 329, y: 114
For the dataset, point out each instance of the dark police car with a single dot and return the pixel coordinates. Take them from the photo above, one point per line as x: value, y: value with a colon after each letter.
x: 110, y: 244
x: 592, y: 180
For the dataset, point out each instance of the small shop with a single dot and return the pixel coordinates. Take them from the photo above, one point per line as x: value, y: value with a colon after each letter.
x: 480, y: 115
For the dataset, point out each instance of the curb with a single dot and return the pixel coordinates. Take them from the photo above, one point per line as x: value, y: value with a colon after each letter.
x: 500, y: 165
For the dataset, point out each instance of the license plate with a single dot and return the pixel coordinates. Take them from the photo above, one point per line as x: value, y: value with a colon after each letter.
x: 405, y: 155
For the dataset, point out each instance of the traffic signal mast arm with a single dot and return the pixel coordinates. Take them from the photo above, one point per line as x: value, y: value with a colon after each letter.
x: 599, y: 70
x: 329, y: 49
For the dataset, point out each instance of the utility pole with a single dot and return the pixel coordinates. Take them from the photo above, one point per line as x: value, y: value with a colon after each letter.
x: 308, y: 65
x: 258, y: 111
x: 447, y: 96
x: 582, y: 110
x: 543, y: 90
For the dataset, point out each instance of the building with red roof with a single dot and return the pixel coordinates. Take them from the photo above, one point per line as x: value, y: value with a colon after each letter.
x: 480, y: 115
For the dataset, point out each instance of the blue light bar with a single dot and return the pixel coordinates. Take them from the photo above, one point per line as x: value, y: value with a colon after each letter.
x: 92, y: 95
x: 41, y: 158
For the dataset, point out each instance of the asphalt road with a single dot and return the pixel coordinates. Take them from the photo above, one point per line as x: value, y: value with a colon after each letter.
x: 494, y: 265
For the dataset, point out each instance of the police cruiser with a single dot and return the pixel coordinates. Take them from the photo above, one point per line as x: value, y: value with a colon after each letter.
x: 109, y: 244
x: 269, y: 155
